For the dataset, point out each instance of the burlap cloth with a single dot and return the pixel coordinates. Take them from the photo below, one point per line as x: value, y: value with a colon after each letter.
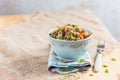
x: 24, y: 48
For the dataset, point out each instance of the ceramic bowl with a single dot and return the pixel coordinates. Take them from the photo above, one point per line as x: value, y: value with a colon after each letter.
x: 70, y: 50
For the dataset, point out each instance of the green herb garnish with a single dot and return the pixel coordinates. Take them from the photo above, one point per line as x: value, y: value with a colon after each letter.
x: 60, y: 38
x: 70, y: 36
x: 77, y: 39
x: 106, y: 71
x: 90, y: 74
x: 81, y: 60
x: 64, y: 69
x: 105, y: 65
x: 75, y: 72
x: 74, y: 26
x: 113, y: 59
x: 54, y: 33
x: 61, y: 28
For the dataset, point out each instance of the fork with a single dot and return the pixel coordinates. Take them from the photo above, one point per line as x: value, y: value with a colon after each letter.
x: 98, y: 61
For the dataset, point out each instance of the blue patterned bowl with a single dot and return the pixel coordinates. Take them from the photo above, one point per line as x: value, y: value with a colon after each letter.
x: 70, y: 50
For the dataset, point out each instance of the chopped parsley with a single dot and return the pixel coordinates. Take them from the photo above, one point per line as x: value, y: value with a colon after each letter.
x: 74, y: 26
x: 113, y: 59
x: 64, y: 69
x: 60, y: 38
x: 106, y: 71
x: 61, y: 28
x: 54, y: 33
x: 104, y: 65
x: 90, y: 74
x: 81, y: 60
x: 70, y: 36
x: 77, y: 39
x: 75, y: 72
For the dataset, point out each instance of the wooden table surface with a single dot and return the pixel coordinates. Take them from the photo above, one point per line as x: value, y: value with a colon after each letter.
x: 5, y: 20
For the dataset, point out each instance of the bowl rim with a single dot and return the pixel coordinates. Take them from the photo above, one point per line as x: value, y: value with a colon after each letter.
x: 68, y: 40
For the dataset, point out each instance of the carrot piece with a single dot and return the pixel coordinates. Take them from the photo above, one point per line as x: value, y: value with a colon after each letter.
x: 83, y: 31
x: 80, y: 36
x: 85, y: 35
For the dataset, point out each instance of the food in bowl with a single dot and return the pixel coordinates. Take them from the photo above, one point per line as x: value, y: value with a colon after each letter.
x: 70, y: 42
x: 70, y: 32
